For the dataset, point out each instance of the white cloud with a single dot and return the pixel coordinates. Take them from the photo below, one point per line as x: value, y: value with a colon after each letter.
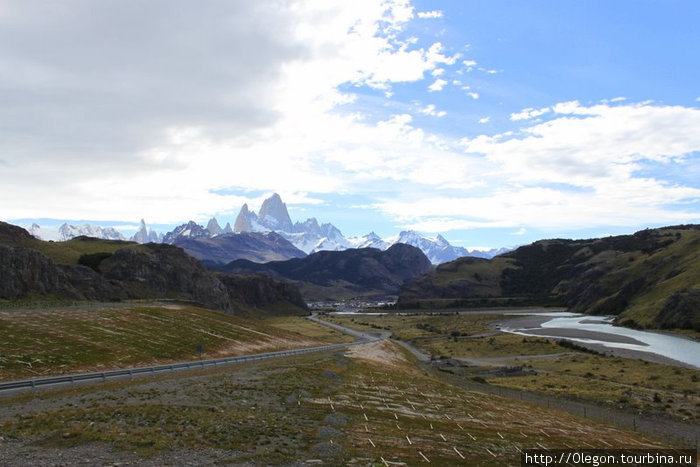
x: 430, y: 14
x: 190, y: 112
x: 484, y: 119
x: 600, y: 149
x: 577, y: 170
x: 529, y: 113
x: 166, y: 129
x: 469, y: 63
x: 430, y: 110
x: 437, y: 85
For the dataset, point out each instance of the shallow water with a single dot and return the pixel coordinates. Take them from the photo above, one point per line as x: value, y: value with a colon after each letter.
x: 676, y: 348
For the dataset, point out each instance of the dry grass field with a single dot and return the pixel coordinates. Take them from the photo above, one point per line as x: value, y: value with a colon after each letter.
x: 369, y: 405
x: 550, y: 368
x: 55, y: 341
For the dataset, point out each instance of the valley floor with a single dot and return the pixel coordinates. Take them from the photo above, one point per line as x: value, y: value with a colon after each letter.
x: 369, y: 404
x: 468, y: 347
x: 362, y: 406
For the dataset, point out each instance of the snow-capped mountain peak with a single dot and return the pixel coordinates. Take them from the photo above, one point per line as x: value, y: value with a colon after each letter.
x: 371, y: 240
x: 189, y: 230
x: 274, y: 215
x: 311, y: 236
x: 440, y: 240
x: 68, y: 231
x: 143, y: 235
x: 213, y: 227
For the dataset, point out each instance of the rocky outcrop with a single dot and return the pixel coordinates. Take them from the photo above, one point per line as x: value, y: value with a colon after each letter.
x: 82, y: 283
x: 23, y: 270
x: 260, y: 291
x: 159, y: 270
x: 26, y: 272
x: 131, y: 271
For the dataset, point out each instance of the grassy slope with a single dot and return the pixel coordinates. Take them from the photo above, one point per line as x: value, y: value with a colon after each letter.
x: 69, y: 251
x: 308, y: 328
x: 47, y: 342
x: 674, y: 267
x: 345, y: 408
x: 679, y: 269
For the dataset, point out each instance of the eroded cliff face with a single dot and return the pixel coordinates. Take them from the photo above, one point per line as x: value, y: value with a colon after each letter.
x: 149, y: 271
x: 164, y: 271
x: 23, y: 270
x: 260, y: 291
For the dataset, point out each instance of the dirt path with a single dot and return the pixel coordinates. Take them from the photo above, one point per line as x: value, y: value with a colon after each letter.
x: 498, y: 361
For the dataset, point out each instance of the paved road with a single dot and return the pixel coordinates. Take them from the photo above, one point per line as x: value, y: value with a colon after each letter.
x: 370, y: 336
x: 14, y: 386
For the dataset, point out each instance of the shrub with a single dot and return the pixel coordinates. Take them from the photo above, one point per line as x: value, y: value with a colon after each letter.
x: 93, y: 260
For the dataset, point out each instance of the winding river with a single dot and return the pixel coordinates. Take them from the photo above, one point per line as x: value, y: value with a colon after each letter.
x: 599, y: 330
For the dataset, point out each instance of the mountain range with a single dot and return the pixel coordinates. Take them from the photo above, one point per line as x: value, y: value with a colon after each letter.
x: 68, y: 231
x: 309, y: 236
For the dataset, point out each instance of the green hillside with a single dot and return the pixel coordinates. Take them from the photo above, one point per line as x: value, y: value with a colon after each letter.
x: 66, y: 253
x: 649, y: 279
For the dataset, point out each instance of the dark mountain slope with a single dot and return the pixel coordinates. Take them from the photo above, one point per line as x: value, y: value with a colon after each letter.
x: 253, y: 246
x: 650, y: 278
x: 361, y: 272
x: 91, y: 269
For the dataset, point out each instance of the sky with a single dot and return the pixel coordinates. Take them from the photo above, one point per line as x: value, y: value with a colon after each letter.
x: 491, y: 123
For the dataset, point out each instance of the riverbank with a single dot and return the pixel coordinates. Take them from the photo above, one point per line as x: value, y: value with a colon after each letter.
x: 618, y: 342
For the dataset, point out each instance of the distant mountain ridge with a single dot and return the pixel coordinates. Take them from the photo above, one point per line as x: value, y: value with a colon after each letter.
x: 438, y: 250
x: 350, y: 273
x: 68, y: 231
x: 259, y: 247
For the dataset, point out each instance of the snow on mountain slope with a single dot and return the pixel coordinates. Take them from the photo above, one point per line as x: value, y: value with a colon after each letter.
x: 310, y: 236
x: 67, y: 231
x: 371, y: 240
x: 189, y: 230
